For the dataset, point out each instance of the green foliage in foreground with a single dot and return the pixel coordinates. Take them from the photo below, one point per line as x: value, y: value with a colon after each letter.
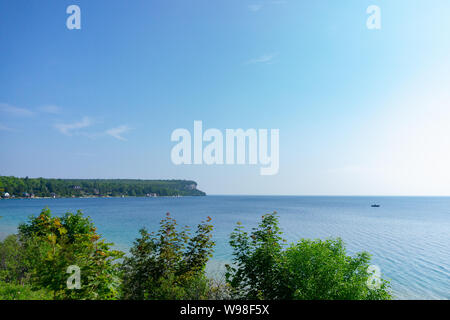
x: 309, y: 269
x: 12, y: 291
x: 46, y: 246
x: 170, y: 264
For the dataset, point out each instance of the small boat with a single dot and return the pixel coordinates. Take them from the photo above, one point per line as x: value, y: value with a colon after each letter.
x: 375, y: 206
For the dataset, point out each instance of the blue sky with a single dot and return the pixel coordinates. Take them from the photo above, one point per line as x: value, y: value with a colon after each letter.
x: 360, y: 112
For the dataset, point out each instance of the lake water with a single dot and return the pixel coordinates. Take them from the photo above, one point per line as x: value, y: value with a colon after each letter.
x: 409, y: 237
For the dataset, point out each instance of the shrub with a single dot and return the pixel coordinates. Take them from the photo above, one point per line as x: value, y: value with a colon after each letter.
x: 169, y: 264
x: 12, y: 291
x: 310, y: 269
x: 46, y: 246
x: 321, y: 270
x: 12, y: 262
x: 255, y: 274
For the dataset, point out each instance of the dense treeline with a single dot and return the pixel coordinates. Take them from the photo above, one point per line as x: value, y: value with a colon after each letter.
x: 40, y: 187
x: 65, y: 258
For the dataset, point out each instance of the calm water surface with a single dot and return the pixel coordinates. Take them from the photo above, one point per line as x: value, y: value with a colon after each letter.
x: 409, y: 237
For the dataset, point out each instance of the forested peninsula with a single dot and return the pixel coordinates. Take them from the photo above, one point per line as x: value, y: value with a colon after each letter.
x: 13, y: 187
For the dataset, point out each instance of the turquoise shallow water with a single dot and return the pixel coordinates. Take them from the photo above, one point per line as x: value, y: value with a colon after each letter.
x: 409, y: 237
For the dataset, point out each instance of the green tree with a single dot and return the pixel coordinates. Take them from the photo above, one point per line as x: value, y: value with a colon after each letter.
x: 310, y: 269
x: 321, y: 270
x: 257, y: 256
x: 48, y: 245
x: 13, y: 266
x: 168, y: 264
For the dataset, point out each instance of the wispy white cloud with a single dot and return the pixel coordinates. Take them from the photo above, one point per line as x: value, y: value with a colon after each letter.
x: 69, y: 128
x: 118, y: 131
x: 50, y: 109
x: 15, y: 111
x: 23, y: 112
x: 5, y: 128
x: 254, y: 7
x: 266, y: 58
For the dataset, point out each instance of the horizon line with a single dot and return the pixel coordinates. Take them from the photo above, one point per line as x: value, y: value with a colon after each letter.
x: 321, y: 195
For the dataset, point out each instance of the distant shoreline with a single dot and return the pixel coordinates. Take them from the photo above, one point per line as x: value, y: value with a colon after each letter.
x: 95, y: 197
x: 91, y: 188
